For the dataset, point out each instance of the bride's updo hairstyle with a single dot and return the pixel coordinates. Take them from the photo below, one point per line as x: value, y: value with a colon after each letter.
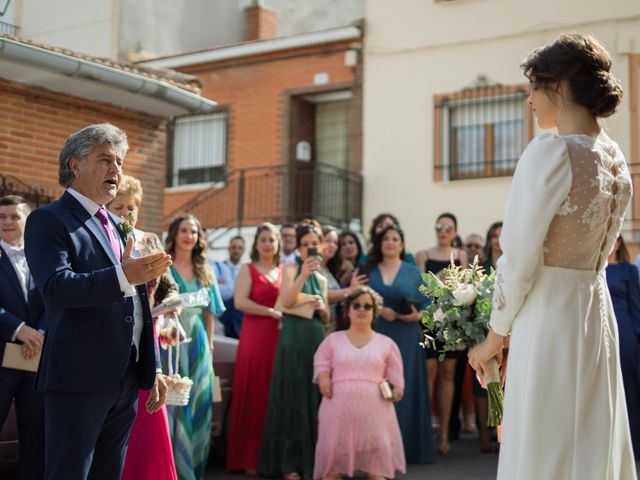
x: 585, y: 64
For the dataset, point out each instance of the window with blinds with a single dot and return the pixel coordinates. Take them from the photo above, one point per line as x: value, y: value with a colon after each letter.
x: 199, y: 149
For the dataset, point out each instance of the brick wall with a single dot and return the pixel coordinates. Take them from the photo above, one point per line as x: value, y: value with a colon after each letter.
x: 34, y: 123
x: 260, y: 23
x: 257, y: 90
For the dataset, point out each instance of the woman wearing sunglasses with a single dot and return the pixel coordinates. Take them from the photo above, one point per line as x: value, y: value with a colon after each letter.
x: 435, y: 259
x: 357, y: 427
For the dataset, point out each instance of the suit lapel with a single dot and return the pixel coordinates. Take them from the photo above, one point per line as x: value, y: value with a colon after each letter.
x: 90, y: 224
x: 10, y: 272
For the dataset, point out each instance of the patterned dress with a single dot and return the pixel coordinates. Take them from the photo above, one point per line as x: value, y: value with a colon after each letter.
x: 291, y: 426
x: 190, y: 425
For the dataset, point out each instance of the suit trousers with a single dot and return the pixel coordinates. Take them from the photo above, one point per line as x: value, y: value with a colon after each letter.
x: 18, y: 385
x: 87, y: 433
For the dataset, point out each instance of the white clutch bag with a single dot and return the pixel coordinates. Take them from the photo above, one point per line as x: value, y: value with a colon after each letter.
x: 13, y: 358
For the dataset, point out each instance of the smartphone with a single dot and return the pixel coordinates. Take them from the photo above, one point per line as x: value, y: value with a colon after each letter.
x: 312, y: 252
x: 364, y: 269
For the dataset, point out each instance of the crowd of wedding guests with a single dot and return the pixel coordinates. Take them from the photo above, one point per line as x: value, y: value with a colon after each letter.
x: 332, y: 376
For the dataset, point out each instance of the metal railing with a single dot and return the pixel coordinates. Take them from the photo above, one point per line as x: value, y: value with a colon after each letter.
x: 9, y: 29
x: 10, y: 185
x: 480, y: 132
x: 277, y: 194
x: 482, y: 169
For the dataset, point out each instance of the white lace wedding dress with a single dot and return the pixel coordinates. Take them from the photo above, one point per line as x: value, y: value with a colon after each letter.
x: 565, y: 416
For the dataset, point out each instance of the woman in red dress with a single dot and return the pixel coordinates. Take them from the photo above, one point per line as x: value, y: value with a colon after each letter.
x: 256, y: 292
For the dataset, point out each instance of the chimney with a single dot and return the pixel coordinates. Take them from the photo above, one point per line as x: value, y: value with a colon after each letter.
x: 260, y: 23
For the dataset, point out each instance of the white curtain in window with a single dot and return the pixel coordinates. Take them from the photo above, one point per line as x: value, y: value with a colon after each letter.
x: 333, y: 138
x: 200, y: 141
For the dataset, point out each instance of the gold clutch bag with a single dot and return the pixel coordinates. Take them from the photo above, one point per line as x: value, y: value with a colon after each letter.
x: 13, y: 358
x: 385, y: 390
x: 302, y: 308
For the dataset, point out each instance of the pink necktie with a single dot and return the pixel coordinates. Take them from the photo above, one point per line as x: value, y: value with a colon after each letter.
x: 113, y: 241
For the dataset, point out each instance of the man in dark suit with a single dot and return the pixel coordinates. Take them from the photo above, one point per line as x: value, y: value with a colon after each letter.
x: 99, y: 348
x: 21, y: 321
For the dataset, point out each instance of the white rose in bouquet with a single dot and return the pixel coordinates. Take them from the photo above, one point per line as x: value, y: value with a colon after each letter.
x: 439, y: 315
x: 465, y: 295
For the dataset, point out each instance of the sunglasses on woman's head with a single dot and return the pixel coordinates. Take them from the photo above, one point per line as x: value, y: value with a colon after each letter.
x: 444, y: 228
x: 365, y: 306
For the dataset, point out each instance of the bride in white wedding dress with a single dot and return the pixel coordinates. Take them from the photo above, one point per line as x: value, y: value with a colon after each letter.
x: 565, y: 416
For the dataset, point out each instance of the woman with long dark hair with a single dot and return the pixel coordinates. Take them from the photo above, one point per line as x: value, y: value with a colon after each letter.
x: 256, y: 291
x: 443, y: 373
x: 191, y: 425
x: 349, y: 251
x: 379, y: 223
x: 397, y: 282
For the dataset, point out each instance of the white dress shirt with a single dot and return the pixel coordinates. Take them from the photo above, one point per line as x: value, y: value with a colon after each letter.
x: 19, y: 263
x: 127, y: 289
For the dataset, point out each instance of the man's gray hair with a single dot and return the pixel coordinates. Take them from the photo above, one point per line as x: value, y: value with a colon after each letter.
x: 80, y: 144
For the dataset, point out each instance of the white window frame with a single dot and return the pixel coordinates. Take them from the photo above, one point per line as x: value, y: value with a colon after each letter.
x: 205, y: 147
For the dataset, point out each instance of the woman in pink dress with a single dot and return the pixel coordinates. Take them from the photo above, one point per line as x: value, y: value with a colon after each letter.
x: 256, y: 291
x: 358, y: 429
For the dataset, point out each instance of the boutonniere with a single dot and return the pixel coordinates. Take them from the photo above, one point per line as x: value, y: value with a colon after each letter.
x: 126, y: 224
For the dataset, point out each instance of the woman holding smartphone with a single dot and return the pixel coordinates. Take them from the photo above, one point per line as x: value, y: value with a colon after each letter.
x: 291, y: 425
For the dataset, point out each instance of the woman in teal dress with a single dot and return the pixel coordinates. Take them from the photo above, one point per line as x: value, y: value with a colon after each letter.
x: 190, y: 425
x: 291, y: 425
x: 397, y: 282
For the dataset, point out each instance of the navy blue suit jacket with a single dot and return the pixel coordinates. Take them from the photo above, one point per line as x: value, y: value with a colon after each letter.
x: 14, y: 309
x: 89, y: 321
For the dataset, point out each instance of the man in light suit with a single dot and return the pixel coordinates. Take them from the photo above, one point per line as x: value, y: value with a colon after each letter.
x: 99, y: 348
x: 21, y: 321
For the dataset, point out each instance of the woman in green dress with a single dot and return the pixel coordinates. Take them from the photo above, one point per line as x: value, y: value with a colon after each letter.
x: 291, y: 425
x: 190, y: 426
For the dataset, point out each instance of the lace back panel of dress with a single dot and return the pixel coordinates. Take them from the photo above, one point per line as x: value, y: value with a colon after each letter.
x: 584, y: 229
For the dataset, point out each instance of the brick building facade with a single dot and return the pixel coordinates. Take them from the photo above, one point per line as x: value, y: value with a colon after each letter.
x: 279, y: 96
x: 35, y: 121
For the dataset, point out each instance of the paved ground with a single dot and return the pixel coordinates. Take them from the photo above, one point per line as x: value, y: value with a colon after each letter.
x: 464, y: 461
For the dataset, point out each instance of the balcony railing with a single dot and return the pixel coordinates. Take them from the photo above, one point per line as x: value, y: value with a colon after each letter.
x: 9, y: 29
x: 278, y: 194
x: 10, y: 185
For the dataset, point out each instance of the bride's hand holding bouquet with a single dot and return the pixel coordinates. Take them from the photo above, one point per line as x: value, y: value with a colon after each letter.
x: 481, y: 356
x: 458, y: 318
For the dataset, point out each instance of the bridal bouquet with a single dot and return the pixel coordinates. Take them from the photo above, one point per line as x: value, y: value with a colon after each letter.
x: 458, y: 318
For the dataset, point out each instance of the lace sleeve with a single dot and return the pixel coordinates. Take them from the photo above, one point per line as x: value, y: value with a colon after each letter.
x: 540, y: 185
